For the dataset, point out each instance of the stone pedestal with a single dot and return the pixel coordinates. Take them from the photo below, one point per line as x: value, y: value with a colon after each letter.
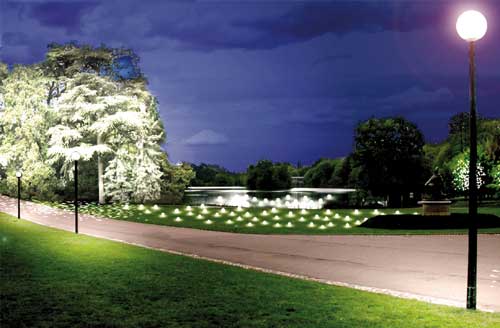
x: 435, y: 207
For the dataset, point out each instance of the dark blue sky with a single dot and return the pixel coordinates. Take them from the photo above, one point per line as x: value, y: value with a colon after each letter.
x: 240, y: 81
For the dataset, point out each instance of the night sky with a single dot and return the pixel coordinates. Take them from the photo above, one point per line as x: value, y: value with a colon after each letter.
x: 240, y: 81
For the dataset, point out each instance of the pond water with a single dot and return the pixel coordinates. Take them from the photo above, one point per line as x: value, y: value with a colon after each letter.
x: 307, y: 198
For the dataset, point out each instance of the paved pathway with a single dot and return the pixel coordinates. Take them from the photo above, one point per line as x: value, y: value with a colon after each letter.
x: 431, y: 268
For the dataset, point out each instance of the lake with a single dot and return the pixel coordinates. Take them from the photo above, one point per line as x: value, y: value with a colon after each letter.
x: 308, y: 198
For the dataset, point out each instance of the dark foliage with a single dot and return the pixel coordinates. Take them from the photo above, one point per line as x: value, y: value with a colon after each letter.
x: 215, y: 175
x: 388, y: 157
x: 266, y: 175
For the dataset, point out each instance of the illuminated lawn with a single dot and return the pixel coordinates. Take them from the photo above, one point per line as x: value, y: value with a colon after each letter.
x: 53, y: 278
x: 256, y: 220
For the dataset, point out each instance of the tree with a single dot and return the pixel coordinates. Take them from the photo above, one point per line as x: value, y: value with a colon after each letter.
x: 389, y: 156
x: 268, y: 176
x: 495, y: 177
x: 341, y: 176
x: 175, y: 179
x: 438, y: 156
x: 140, y: 134
x: 205, y: 174
x: 23, y: 122
x: 214, y: 175
x: 459, y: 130
x: 84, y: 109
x: 281, y: 176
x: 320, y: 174
x: 66, y: 60
x: 4, y: 72
x: 97, y: 117
x: 460, y: 172
x: 489, y: 138
x: 223, y: 179
x: 92, y: 100
x: 118, y: 177
x: 329, y: 173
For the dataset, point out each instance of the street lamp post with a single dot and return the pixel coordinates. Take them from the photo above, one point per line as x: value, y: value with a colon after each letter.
x: 472, y: 26
x: 19, y: 175
x: 75, y: 157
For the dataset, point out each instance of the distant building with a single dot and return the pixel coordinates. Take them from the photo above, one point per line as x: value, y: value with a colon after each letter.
x: 297, y: 182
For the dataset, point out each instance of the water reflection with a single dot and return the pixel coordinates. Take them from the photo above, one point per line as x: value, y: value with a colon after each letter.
x: 295, y: 198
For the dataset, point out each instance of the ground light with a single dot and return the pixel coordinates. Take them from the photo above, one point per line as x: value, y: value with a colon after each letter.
x: 19, y: 175
x: 472, y: 26
x: 75, y: 156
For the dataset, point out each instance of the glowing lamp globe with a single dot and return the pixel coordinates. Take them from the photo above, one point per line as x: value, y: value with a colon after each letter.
x: 19, y: 174
x: 471, y: 25
x: 75, y: 156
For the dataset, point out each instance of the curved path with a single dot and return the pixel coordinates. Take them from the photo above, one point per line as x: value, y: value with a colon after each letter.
x: 431, y: 268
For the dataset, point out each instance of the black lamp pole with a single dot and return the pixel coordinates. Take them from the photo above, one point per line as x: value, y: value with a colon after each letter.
x: 472, y: 258
x: 18, y: 196
x: 76, y: 196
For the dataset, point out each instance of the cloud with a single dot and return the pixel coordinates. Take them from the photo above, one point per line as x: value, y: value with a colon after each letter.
x: 15, y: 39
x: 416, y: 96
x: 210, y: 26
x: 330, y: 58
x: 66, y: 15
x: 310, y: 20
x: 206, y: 137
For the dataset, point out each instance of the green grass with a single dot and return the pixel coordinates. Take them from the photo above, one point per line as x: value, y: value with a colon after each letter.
x: 483, y: 210
x: 410, y: 222
x: 53, y: 278
x: 338, y: 221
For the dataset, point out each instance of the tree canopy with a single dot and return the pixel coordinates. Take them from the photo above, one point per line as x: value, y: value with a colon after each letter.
x: 266, y: 175
x: 24, y: 121
x: 215, y: 175
x: 389, y: 156
x: 452, y: 155
x: 91, y: 100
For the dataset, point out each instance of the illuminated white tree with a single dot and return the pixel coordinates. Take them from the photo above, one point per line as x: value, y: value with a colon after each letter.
x: 461, y: 174
x: 134, y: 173
x: 24, y: 119
x: 99, y: 117
x: 78, y: 99
x: 147, y: 178
x: 118, y: 177
x: 141, y: 138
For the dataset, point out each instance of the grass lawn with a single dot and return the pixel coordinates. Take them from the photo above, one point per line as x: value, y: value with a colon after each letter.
x: 53, y: 278
x: 261, y: 220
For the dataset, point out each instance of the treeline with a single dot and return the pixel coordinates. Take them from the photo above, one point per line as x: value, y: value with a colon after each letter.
x: 391, y: 162
x: 215, y: 175
x: 90, y: 100
x: 384, y: 158
x: 264, y: 175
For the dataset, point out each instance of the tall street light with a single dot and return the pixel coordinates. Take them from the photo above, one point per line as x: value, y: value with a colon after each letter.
x: 19, y: 175
x: 75, y: 156
x: 472, y: 26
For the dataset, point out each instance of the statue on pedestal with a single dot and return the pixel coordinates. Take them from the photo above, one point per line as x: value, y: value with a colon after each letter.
x: 433, y: 188
x: 434, y: 201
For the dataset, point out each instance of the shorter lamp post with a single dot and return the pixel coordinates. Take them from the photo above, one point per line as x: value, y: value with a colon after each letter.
x: 76, y: 157
x: 19, y: 175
